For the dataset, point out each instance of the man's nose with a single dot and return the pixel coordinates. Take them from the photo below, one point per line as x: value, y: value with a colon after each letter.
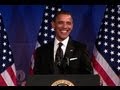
x: 64, y: 25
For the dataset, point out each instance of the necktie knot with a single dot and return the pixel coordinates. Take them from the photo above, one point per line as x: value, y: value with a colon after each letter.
x: 60, y: 44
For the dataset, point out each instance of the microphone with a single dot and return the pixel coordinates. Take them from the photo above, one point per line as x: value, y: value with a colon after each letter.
x: 64, y: 64
x: 67, y: 61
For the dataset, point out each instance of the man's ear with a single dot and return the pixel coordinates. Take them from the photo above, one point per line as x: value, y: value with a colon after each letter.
x: 52, y: 24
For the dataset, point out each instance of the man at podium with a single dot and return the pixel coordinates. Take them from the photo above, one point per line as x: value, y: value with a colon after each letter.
x: 62, y: 55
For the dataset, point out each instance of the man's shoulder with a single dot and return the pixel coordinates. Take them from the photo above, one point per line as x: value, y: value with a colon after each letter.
x: 79, y: 44
x: 46, y: 46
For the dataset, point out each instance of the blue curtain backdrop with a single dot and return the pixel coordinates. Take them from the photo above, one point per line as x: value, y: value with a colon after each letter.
x: 22, y: 23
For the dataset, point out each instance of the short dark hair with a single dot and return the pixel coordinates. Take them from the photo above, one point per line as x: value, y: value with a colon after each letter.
x: 61, y: 12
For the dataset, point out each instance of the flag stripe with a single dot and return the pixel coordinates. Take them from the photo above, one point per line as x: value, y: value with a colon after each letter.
x: 102, y: 82
x: 12, y: 74
x: 101, y: 71
x: 14, y: 70
x: 104, y: 69
x: 98, y: 68
x: 2, y: 82
x: 7, y: 78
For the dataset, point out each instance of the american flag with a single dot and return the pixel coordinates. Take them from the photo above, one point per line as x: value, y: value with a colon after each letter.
x: 7, y: 66
x: 106, y: 53
x: 46, y: 32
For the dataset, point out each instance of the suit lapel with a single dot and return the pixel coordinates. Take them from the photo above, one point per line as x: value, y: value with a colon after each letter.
x: 69, y: 49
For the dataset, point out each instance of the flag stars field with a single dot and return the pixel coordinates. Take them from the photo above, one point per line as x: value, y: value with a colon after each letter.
x: 7, y: 66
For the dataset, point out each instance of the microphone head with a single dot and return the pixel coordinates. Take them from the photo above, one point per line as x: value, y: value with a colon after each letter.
x: 65, y: 63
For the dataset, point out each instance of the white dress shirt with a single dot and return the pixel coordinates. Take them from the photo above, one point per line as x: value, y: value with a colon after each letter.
x: 64, y: 42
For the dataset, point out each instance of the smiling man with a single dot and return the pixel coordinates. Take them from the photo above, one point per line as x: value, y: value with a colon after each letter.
x: 63, y: 55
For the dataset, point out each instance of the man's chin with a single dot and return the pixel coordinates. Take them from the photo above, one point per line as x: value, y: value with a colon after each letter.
x: 63, y: 38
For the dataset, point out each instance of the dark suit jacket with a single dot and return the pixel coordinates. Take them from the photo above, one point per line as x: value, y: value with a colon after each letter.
x: 77, y: 54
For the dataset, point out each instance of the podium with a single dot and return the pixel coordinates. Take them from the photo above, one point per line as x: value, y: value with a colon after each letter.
x: 63, y: 80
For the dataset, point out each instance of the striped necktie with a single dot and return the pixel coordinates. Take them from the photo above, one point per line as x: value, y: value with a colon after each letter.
x: 59, y: 55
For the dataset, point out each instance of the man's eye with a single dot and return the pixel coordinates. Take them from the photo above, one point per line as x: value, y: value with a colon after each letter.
x: 69, y: 23
x: 60, y: 22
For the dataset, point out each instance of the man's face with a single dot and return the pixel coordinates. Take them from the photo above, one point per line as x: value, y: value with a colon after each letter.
x: 63, y: 25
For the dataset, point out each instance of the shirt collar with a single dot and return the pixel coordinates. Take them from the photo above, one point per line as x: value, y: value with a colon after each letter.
x: 64, y: 42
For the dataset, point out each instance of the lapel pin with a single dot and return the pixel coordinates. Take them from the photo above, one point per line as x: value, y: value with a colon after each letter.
x: 71, y: 50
